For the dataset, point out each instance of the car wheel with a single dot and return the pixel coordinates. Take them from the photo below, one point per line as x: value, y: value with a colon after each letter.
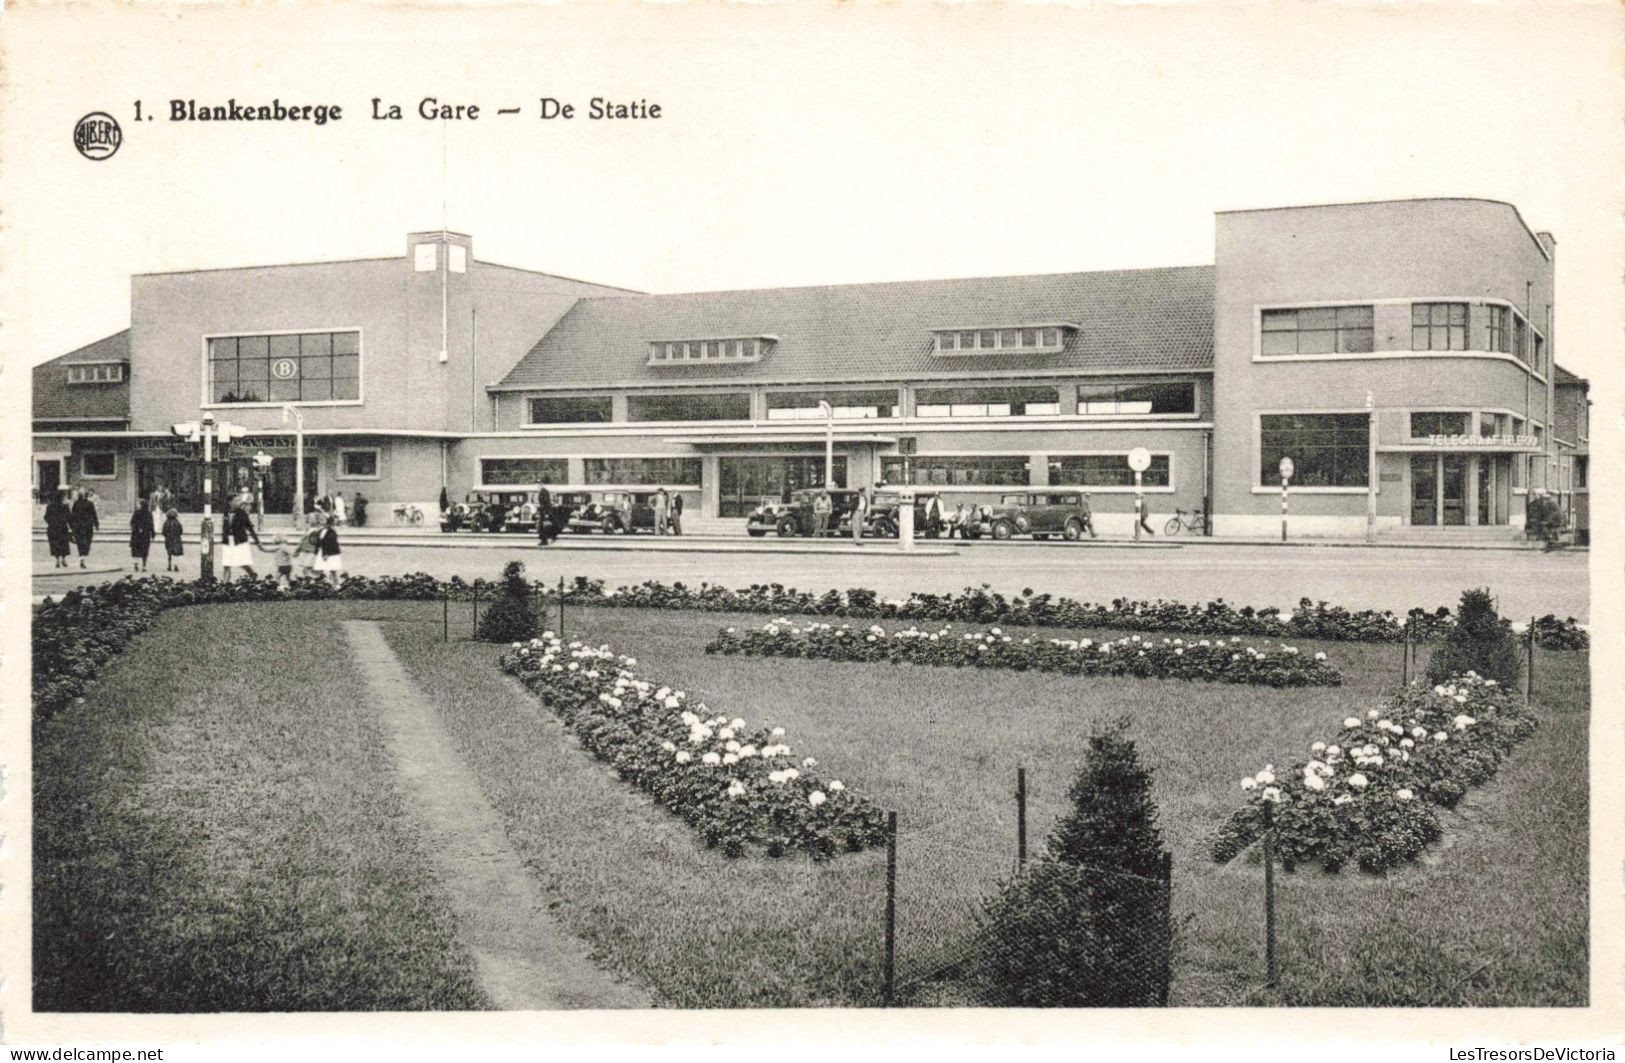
x: 787, y: 528
x: 1002, y: 530
x: 1073, y: 532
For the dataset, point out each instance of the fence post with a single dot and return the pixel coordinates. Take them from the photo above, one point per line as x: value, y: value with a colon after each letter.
x: 1529, y: 672
x: 1021, y: 817
x: 445, y: 614
x: 561, y: 608
x: 889, y: 989
x: 475, y: 633
x: 1405, y: 658
x: 1269, y: 895
x: 1167, y: 942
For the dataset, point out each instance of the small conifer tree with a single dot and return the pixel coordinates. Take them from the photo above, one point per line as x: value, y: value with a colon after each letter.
x: 1480, y: 642
x: 512, y: 617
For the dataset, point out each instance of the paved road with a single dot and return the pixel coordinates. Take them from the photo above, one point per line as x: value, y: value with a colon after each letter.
x: 1526, y: 582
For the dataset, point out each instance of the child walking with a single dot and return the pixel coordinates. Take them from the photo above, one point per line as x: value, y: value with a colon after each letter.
x: 173, y: 547
x: 283, y: 548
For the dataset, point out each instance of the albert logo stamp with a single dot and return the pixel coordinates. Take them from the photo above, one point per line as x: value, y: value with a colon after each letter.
x: 97, y: 135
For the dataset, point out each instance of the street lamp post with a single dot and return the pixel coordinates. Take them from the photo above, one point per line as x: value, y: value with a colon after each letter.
x: 262, y: 461
x: 1371, y: 469
x: 829, y: 443
x: 1286, y: 477
x: 298, y: 463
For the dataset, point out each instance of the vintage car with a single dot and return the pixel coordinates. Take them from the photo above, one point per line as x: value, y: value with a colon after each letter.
x: 796, y: 516
x: 461, y: 516
x: 1040, y: 514
x: 883, y: 521
x: 509, y: 511
x: 615, y: 511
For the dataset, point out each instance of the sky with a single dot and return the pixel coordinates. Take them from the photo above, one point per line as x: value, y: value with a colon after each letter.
x: 796, y: 145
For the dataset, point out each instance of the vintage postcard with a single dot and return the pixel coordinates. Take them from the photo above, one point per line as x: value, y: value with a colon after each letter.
x: 1038, y: 523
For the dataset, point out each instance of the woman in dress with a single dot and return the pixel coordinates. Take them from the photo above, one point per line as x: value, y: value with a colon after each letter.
x: 328, y: 558
x: 236, y: 553
x: 59, y: 528
x: 85, y: 524
x: 141, y: 535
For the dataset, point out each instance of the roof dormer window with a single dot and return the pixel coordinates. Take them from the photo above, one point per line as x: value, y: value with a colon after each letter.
x: 1040, y: 338
x: 96, y: 373
x: 720, y: 350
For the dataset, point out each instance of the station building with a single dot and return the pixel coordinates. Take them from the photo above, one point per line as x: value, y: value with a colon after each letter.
x: 1401, y: 353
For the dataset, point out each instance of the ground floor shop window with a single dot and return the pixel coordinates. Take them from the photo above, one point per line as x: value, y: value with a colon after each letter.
x: 930, y: 470
x: 98, y: 465
x: 1327, y: 449
x: 182, y: 481
x: 523, y: 471
x: 358, y: 464
x: 649, y: 472
x: 1106, y: 470
x: 742, y: 483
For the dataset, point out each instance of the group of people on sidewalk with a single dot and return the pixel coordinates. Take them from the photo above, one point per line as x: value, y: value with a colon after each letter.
x: 316, y: 550
x: 71, y: 522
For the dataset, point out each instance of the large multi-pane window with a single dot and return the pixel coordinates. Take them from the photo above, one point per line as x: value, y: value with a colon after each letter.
x: 1106, y: 470
x: 987, y: 402
x: 696, y: 407
x: 1162, y: 399
x: 1520, y: 339
x: 845, y: 405
x: 1317, y: 330
x: 1438, y: 326
x: 1500, y: 334
x: 1438, y: 423
x: 523, y: 471
x: 570, y: 409
x: 1327, y: 449
x: 652, y: 472
x: 290, y: 367
x: 981, y: 470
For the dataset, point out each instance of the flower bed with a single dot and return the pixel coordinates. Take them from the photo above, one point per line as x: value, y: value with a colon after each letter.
x: 738, y: 784
x: 1213, y: 660
x: 1368, y: 796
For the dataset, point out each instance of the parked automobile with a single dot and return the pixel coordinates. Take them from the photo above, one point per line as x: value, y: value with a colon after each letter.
x: 460, y: 516
x: 1040, y: 514
x: 510, y: 511
x: 884, y: 522
x: 765, y: 517
x: 612, y: 512
x: 796, y: 516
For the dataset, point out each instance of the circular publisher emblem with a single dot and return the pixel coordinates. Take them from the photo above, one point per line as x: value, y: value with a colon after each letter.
x: 97, y: 136
x: 285, y: 368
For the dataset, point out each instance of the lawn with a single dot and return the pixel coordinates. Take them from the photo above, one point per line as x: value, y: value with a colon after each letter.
x: 217, y: 828
x: 941, y: 747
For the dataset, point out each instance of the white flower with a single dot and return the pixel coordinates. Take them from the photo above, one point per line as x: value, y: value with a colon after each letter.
x: 1372, y: 714
x: 1249, y: 783
x: 726, y: 733
x: 1440, y: 736
x: 1419, y: 732
x: 1358, y: 781
x: 1317, y: 747
x: 683, y: 756
x: 816, y: 798
x: 736, y: 789
x: 791, y: 773
x: 1179, y: 652
x: 1272, y: 794
x: 1406, y: 743
x: 1320, y: 656
x: 778, y: 732
x: 730, y: 758
x: 1341, y: 799
x: 737, y: 724
x: 1314, y: 782
x: 1266, y: 776
x: 1463, y: 722
x: 669, y: 746
x: 809, y: 763
x: 837, y: 785
x: 672, y: 702
x: 1351, y: 721
x: 516, y: 645
x: 711, y: 759
x: 1404, y: 794
x: 747, y: 751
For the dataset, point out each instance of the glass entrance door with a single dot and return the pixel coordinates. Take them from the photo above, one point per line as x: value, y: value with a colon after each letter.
x: 742, y: 483
x: 1424, y: 489
x: 1453, y: 488
x: 280, y: 484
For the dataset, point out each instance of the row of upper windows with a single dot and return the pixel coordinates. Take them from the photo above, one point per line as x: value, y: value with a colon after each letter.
x: 1170, y: 398
x: 1434, y: 327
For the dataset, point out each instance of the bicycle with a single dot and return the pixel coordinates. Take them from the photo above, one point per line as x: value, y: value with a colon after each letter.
x: 1197, y: 522
x: 408, y: 514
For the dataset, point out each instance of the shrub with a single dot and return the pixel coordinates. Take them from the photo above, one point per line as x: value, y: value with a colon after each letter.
x: 1544, y: 519
x: 1481, y: 643
x: 1089, y: 924
x: 512, y: 617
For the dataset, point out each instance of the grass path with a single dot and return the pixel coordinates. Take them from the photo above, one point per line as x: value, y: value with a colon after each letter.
x: 522, y: 960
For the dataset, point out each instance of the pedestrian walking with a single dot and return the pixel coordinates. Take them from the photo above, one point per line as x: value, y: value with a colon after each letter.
x: 359, y: 516
x: 677, y: 512
x: 933, y: 516
x: 329, y: 561
x: 173, y: 546
x: 1140, y: 509
x: 304, y: 554
x: 239, y: 531
x: 860, y: 513
x: 822, y: 507
x: 59, y: 528
x: 341, y: 512
x: 85, y: 524
x: 142, y: 533
x: 1088, y: 517
x: 547, y: 528
x: 158, y: 501
x: 282, y: 546
x: 662, y: 508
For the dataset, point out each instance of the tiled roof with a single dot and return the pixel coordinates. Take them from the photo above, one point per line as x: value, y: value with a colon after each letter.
x: 55, y: 399
x: 1128, y: 320
x: 1566, y: 377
